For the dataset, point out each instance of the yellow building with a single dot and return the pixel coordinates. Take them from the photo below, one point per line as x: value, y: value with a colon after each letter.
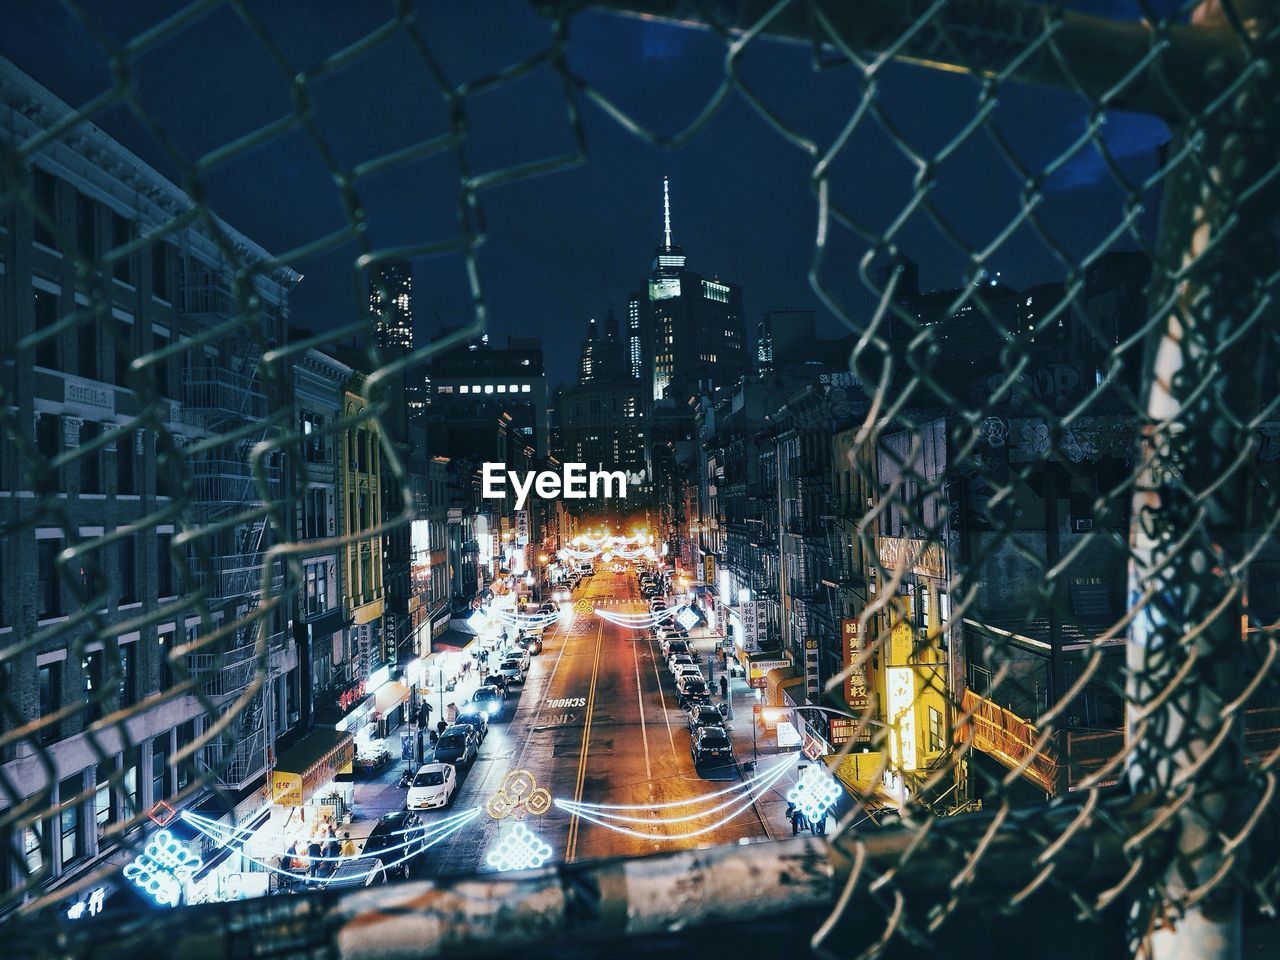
x: 361, y: 492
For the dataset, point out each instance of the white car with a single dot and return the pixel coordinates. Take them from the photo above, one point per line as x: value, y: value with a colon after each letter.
x: 514, y: 667
x: 683, y: 670
x: 433, y: 787
x: 679, y: 660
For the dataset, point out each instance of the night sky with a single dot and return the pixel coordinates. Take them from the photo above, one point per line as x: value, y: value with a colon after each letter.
x: 564, y: 247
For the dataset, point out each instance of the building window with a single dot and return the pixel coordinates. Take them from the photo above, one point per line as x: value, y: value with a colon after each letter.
x: 935, y: 731
x: 317, y: 587
x: 91, y: 462
x: 159, y: 367
x: 128, y: 560
x: 46, y: 315
x: 88, y: 347
x: 184, y: 769
x: 86, y: 227
x: 95, y: 690
x: 34, y: 848
x: 50, y: 683
x: 103, y: 809
x: 164, y: 565
x: 128, y: 674
x: 45, y: 188
x: 50, y: 593
x: 129, y: 799
x: 313, y: 441
x: 159, y: 767
x: 944, y: 608
x: 70, y: 834
x: 160, y: 271
x: 121, y: 235
x: 126, y: 456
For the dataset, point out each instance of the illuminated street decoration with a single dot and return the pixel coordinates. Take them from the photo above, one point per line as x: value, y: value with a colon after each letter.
x: 638, y: 621
x: 740, y: 797
x: 518, y: 795
x: 687, y: 618
x: 164, y: 865
x: 518, y: 848
x: 815, y: 793
x: 237, y: 838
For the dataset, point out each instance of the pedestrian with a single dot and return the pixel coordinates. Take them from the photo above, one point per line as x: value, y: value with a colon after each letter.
x: 819, y: 826
x: 348, y: 848
x: 724, y: 687
x: 442, y: 726
x: 791, y: 818
x: 314, y: 853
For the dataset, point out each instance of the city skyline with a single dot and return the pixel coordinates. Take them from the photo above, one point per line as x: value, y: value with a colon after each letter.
x: 535, y: 224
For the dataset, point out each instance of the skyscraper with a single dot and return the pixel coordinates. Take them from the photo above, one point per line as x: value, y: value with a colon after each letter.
x: 391, y: 303
x: 692, y: 327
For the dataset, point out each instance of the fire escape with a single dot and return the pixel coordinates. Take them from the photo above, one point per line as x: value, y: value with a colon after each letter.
x: 227, y: 394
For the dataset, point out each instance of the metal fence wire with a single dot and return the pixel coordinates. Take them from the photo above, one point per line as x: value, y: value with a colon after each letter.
x: 1131, y: 519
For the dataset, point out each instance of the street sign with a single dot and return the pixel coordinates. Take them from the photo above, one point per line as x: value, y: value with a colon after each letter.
x: 813, y: 747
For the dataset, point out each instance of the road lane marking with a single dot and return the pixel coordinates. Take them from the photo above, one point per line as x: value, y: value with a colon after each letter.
x: 644, y: 733
x: 572, y: 844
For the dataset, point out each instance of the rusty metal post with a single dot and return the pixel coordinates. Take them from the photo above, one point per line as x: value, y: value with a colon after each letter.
x: 1187, y: 659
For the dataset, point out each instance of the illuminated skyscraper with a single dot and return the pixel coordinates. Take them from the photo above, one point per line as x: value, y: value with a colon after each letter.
x: 391, y: 303
x: 692, y: 327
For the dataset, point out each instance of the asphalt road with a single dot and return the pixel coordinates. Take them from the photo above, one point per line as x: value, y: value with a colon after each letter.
x: 596, y: 722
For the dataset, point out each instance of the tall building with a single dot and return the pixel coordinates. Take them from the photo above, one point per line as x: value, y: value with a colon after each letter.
x: 691, y: 327
x: 602, y: 417
x: 391, y: 303
x: 476, y: 382
x: 784, y: 337
x: 604, y: 355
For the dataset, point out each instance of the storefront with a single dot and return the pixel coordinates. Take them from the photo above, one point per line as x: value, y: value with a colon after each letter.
x: 305, y: 778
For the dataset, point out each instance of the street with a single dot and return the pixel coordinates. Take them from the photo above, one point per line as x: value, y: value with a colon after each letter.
x: 596, y: 722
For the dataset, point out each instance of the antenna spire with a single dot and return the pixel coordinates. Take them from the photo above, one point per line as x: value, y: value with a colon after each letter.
x: 666, y: 215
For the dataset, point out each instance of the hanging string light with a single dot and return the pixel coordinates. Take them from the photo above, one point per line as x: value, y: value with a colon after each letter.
x: 238, y: 837
x: 601, y: 816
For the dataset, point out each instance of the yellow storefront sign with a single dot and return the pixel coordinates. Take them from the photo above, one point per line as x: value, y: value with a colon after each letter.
x: 286, y: 789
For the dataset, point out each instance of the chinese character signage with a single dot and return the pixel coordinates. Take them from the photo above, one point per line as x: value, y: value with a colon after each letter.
x: 709, y: 572
x: 522, y: 528
x: 811, y: 683
x: 855, y: 686
x: 753, y: 627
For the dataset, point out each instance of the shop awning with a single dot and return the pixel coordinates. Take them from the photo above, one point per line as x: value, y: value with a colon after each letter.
x: 776, y: 679
x: 452, y: 639
x: 310, y: 765
x: 389, y: 696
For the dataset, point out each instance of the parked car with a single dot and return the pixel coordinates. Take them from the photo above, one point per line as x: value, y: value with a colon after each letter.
x: 477, y: 721
x: 711, y: 743
x: 513, y: 667
x: 676, y: 659
x: 677, y: 647
x: 361, y: 872
x: 397, y: 840
x: 686, y: 670
x: 562, y: 594
x: 693, y: 690
x: 495, y: 680
x: 548, y: 607
x: 488, y: 699
x: 457, y: 745
x: 433, y: 787
x: 705, y: 715
x: 530, y: 643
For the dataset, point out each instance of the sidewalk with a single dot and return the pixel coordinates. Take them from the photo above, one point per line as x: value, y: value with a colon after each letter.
x: 771, y: 806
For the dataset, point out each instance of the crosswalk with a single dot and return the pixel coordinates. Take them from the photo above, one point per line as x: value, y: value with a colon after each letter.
x: 617, y: 602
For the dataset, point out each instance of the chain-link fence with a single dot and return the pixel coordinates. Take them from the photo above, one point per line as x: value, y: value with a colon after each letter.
x: 1050, y: 552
